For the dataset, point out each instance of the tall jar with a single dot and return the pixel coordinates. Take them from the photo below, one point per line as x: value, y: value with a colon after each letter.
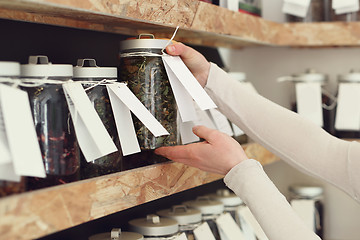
x: 313, y: 194
x: 142, y: 68
x: 210, y: 211
x: 352, y: 77
x: 10, y: 70
x: 87, y: 71
x: 187, y: 218
x: 117, y: 234
x: 154, y: 227
x: 231, y: 202
x: 54, y: 127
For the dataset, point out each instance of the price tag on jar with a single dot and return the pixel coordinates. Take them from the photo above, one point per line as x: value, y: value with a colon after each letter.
x: 345, y: 6
x: 348, y: 107
x: 245, y: 213
x: 309, y: 103
x: 192, y: 86
x: 237, y: 130
x: 18, y: 136
x: 187, y: 135
x: 203, y: 118
x: 296, y: 7
x: 182, y: 236
x: 93, y: 138
x: 203, y: 232
x: 228, y: 228
x: 221, y: 122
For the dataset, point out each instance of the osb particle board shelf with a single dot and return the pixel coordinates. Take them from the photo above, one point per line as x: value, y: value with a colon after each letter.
x: 200, y: 23
x: 39, y: 213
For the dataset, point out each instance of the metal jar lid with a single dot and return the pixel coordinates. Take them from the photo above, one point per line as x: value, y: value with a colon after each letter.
x: 240, y: 76
x: 182, y: 214
x: 352, y: 76
x: 87, y: 68
x: 9, y: 69
x: 306, y: 191
x: 143, y: 43
x: 228, y: 198
x: 39, y: 66
x: 117, y: 234
x: 153, y: 225
x: 206, y: 205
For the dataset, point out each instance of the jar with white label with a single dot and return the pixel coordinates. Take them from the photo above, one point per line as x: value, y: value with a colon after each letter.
x: 231, y: 202
x: 9, y: 71
x: 327, y: 103
x: 187, y: 218
x: 353, y: 77
x: 210, y: 211
x: 58, y: 144
x: 154, y: 227
x: 309, y: 198
x: 91, y: 76
x: 142, y: 68
x: 117, y: 234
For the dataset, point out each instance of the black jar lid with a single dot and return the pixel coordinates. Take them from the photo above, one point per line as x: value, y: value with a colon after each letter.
x: 117, y: 234
x: 87, y: 68
x: 143, y: 41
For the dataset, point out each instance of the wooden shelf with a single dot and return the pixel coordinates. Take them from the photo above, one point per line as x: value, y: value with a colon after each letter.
x: 200, y: 23
x: 39, y: 213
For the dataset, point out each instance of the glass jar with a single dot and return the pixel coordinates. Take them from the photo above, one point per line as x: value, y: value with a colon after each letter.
x: 87, y: 71
x: 352, y: 77
x: 314, y: 194
x: 56, y: 135
x: 155, y: 228
x: 231, y: 202
x: 210, y: 211
x: 10, y: 70
x: 327, y: 99
x: 187, y: 218
x: 117, y: 234
x: 142, y: 68
x: 318, y: 11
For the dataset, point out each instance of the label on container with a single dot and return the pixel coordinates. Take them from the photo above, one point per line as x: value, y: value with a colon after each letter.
x: 309, y: 102
x: 203, y: 232
x: 237, y: 130
x: 203, y: 118
x: 246, y: 229
x: 18, y: 136
x: 345, y: 6
x: 181, y: 237
x: 305, y: 209
x: 348, y: 107
x: 296, y: 7
x: 228, y: 228
x: 186, y: 133
x: 245, y: 213
x: 189, y: 82
x: 124, y: 123
x: 94, y: 140
x: 221, y: 122
x: 183, y: 99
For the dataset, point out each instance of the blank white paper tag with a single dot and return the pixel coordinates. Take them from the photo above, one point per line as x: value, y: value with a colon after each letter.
x: 246, y: 229
x: 188, y: 80
x: 203, y: 232
x: 221, y: 122
x: 309, y: 103
x: 228, y: 228
x: 246, y: 214
x: 296, y: 7
x: 181, y: 237
x: 203, y: 118
x: 4, y: 146
x: 94, y: 140
x: 348, y: 107
x: 183, y: 99
x: 124, y: 124
x: 345, y: 6
x: 20, y: 132
x: 306, y: 211
x: 186, y: 133
x: 237, y: 130
x: 139, y: 110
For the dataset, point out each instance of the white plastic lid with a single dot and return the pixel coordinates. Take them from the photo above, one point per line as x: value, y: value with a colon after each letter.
x: 9, y: 69
x: 240, y: 76
x: 228, y: 198
x: 154, y: 225
x: 306, y: 191
x: 206, y: 205
x: 352, y: 76
x: 145, y: 43
x: 117, y: 234
x: 182, y: 214
x: 92, y: 70
x: 39, y: 66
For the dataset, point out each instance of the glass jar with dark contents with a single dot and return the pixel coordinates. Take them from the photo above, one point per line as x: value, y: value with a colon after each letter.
x: 142, y: 68
x: 187, y: 218
x: 10, y: 70
x: 87, y: 71
x: 210, y: 211
x: 155, y: 228
x: 52, y: 120
x: 117, y: 234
